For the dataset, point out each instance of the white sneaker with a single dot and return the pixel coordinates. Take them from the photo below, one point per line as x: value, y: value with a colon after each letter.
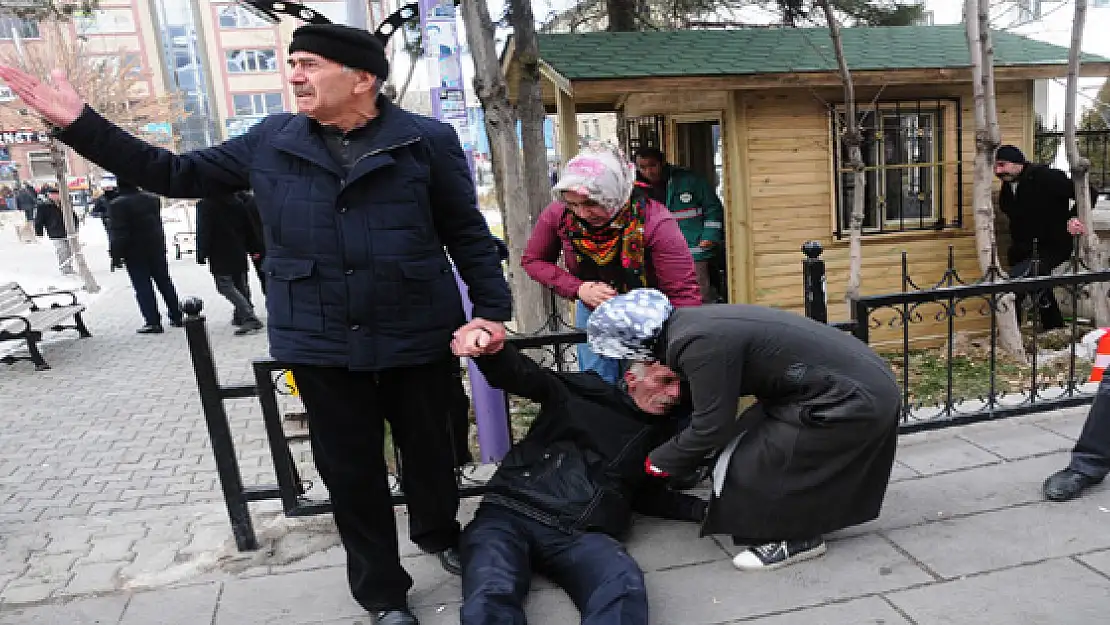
x: 777, y: 555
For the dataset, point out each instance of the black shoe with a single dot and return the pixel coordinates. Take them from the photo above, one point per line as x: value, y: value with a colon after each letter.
x: 177, y: 323
x: 248, y: 327
x: 150, y: 329
x: 450, y: 560
x: 1066, y: 484
x: 778, y: 554
x: 403, y: 616
x: 235, y: 321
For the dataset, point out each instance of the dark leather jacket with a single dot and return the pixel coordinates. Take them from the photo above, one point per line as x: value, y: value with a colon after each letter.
x: 580, y: 467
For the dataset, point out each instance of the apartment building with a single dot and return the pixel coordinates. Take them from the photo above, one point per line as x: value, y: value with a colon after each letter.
x: 121, y: 32
x: 228, y: 63
x: 225, y: 63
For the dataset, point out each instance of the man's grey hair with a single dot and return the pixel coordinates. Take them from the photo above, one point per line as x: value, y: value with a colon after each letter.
x: 377, y: 81
x: 639, y: 369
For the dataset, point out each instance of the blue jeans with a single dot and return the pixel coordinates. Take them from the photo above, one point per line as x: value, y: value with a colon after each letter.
x: 608, y: 368
x: 145, y: 270
x: 500, y: 549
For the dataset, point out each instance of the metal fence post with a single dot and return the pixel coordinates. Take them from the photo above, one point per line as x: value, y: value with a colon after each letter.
x: 219, y: 432
x: 814, y: 285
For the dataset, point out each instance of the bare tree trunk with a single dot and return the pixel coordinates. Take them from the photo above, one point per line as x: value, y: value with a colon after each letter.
x: 1093, y: 254
x: 530, y: 108
x: 851, y: 140
x: 1009, y: 336
x: 58, y: 160
x: 508, y: 171
x: 77, y: 260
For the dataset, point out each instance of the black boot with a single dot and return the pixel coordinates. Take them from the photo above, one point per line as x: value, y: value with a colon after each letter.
x: 150, y: 329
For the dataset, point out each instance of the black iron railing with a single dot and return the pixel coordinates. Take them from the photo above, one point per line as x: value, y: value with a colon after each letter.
x: 961, y: 309
x: 553, y: 347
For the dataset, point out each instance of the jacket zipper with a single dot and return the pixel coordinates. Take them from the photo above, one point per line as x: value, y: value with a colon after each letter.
x: 385, y: 149
x: 596, y: 499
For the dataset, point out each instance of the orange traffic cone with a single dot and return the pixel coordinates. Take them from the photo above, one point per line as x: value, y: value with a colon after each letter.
x: 1102, y: 357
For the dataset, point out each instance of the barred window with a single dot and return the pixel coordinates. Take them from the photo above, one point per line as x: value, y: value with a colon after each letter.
x: 234, y: 16
x: 245, y: 61
x: 905, y: 167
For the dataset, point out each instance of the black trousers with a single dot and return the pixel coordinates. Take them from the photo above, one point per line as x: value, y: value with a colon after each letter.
x: 500, y: 550
x: 1050, y: 315
x: 147, y: 271
x: 346, y: 415
x: 1091, y: 455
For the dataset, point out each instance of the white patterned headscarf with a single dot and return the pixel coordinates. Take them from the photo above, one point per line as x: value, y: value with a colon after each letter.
x: 626, y: 326
x: 600, y: 172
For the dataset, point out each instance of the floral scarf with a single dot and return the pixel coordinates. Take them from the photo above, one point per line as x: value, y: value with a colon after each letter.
x: 613, y: 253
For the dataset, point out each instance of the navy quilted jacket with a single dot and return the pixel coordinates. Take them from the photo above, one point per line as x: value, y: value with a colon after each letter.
x: 357, y: 272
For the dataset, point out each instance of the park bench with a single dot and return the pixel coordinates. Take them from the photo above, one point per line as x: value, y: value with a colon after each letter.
x: 23, y: 318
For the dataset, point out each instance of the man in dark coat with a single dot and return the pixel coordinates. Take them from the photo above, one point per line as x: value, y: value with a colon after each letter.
x: 25, y: 201
x: 137, y: 242
x: 811, y: 456
x: 562, y: 498
x: 358, y: 199
x: 257, y: 253
x: 100, y: 206
x: 49, y: 221
x: 224, y: 236
x: 1038, y: 200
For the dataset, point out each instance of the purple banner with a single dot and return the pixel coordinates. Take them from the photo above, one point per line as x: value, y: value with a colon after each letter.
x: 441, y: 48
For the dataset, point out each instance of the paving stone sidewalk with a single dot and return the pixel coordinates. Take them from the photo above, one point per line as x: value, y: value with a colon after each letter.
x: 110, y: 512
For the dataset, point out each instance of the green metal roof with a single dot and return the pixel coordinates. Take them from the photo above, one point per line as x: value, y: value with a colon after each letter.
x: 603, y: 55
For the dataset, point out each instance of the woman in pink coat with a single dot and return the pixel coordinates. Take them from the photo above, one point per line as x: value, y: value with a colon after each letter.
x: 612, y: 239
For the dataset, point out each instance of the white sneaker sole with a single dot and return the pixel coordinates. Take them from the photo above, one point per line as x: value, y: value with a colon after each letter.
x: 748, y: 561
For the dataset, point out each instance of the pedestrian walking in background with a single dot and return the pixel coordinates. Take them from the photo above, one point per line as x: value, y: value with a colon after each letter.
x: 48, y: 221
x: 137, y: 242
x: 225, y: 236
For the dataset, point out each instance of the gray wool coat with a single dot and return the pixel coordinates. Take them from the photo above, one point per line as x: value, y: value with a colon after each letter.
x: 818, y: 445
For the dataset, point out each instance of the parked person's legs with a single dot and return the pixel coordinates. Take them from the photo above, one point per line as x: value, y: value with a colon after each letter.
x: 244, y: 312
x: 243, y: 284
x: 139, y: 272
x: 608, y: 368
x: 419, y: 415
x: 160, y: 273
x: 345, y: 417
x: 1090, y: 458
x: 497, y: 570
x: 1049, y: 309
x: 604, y: 582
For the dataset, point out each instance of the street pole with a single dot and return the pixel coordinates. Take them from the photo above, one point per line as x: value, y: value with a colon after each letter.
x: 358, y: 13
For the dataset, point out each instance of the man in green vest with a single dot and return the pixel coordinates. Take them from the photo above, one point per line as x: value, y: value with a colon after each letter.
x: 694, y: 203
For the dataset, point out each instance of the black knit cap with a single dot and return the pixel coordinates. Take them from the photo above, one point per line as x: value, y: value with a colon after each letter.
x: 354, y: 47
x: 1010, y: 154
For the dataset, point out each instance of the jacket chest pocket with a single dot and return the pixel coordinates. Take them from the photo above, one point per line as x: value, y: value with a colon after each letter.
x: 293, y: 294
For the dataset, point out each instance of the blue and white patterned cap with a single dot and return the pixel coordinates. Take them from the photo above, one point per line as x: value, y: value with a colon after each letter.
x: 626, y: 326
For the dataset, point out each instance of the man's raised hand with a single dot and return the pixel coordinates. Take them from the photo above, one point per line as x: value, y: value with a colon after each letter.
x: 58, y: 103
